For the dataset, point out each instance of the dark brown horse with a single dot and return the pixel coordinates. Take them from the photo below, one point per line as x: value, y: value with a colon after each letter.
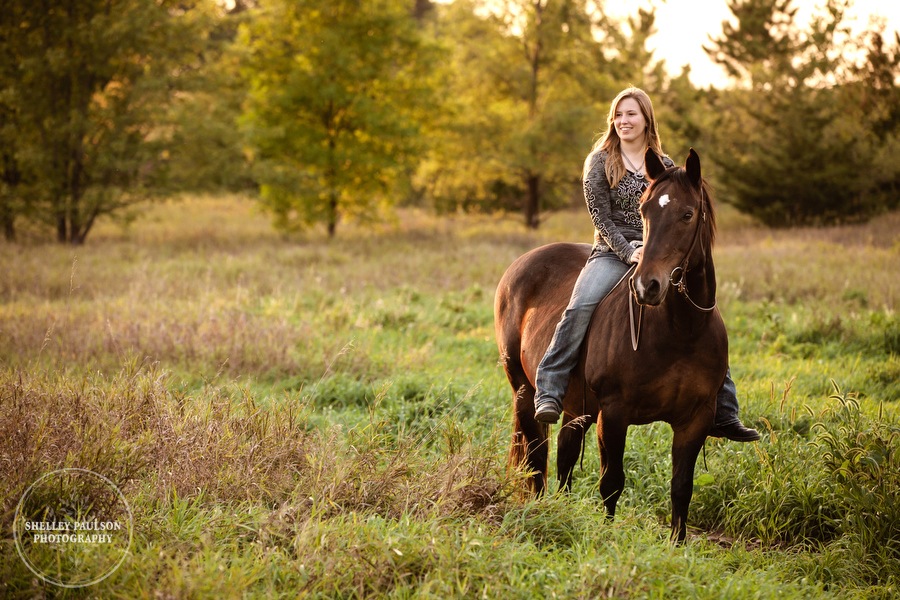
x: 682, y: 347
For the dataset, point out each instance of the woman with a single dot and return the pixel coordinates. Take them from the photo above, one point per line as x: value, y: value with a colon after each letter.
x: 614, y: 180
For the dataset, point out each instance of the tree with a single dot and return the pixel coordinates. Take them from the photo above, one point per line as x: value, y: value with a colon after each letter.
x: 633, y: 62
x: 684, y: 116
x: 10, y: 173
x: 206, y: 147
x: 524, y: 78
x: 874, y: 98
x: 789, y: 141
x: 339, y: 90
x: 82, y: 91
x: 762, y: 37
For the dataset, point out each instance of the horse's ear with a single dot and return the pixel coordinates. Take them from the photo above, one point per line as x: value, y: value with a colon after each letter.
x: 692, y: 166
x: 655, y: 167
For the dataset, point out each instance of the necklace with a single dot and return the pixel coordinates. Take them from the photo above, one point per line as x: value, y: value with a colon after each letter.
x: 636, y: 170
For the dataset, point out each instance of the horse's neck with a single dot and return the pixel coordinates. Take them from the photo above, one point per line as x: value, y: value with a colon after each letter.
x: 705, y: 285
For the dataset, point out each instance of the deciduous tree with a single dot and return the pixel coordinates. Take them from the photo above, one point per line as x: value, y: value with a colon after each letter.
x: 339, y: 90
x: 528, y: 83
x: 83, y: 88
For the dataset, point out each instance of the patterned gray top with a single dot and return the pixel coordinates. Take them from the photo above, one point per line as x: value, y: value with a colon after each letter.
x: 615, y: 212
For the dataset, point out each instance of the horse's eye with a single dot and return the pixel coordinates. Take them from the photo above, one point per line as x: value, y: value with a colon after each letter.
x: 688, y: 216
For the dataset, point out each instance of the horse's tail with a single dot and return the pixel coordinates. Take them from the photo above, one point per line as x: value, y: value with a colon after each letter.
x: 529, y: 449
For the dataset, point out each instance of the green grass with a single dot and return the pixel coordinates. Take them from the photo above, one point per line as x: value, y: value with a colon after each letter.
x: 327, y: 418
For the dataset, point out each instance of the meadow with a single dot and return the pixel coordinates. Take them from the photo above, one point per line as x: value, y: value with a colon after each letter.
x: 293, y: 416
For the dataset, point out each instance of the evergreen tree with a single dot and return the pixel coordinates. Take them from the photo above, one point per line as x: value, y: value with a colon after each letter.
x: 339, y: 90
x: 632, y: 62
x: 874, y: 99
x: 761, y: 39
x: 791, y: 147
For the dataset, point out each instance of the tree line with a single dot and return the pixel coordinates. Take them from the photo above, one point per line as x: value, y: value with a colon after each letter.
x: 327, y: 110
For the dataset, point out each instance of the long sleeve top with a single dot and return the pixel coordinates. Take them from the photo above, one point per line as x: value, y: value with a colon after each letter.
x: 615, y: 211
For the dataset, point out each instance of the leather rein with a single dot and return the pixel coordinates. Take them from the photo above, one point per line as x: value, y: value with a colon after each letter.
x: 676, y: 279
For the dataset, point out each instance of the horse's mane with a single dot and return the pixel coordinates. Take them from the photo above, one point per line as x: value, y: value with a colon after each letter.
x: 678, y: 175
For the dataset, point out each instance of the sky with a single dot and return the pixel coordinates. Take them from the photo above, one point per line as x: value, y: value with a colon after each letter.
x: 702, y: 18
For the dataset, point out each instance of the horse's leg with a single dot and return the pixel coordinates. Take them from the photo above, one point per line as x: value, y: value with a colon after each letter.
x: 568, y: 447
x: 529, y: 439
x: 686, y: 446
x: 611, y: 435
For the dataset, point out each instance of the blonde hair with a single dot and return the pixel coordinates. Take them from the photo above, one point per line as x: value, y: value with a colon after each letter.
x: 612, y: 145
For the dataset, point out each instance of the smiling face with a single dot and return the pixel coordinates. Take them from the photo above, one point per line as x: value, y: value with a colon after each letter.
x: 629, y: 120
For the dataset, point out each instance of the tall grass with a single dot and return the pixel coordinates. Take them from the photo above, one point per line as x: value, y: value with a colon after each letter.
x: 304, y: 416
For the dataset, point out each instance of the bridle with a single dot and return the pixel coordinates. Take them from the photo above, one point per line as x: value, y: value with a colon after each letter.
x: 676, y: 279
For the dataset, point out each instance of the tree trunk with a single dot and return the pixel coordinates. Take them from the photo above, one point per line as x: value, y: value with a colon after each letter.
x: 533, y: 201
x: 331, y: 176
x: 11, y: 178
x: 332, y: 214
x: 9, y: 226
x: 532, y: 179
x: 62, y: 229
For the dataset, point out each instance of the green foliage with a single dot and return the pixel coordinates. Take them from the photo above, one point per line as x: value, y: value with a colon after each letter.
x: 863, y: 456
x: 797, y: 158
x: 345, y: 109
x: 83, y: 86
x: 206, y: 151
x: 826, y: 486
x: 338, y: 93
x: 795, y: 143
x: 526, y: 89
x: 761, y: 36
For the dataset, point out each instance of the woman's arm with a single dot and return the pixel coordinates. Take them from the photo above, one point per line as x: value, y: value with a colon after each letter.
x: 598, y: 197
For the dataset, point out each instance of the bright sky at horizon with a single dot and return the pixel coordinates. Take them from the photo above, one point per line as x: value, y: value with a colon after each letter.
x: 684, y: 26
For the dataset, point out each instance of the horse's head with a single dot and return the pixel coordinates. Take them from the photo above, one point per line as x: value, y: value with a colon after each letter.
x: 678, y: 227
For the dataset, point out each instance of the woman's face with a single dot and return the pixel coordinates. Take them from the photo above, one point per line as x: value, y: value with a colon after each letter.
x: 629, y: 120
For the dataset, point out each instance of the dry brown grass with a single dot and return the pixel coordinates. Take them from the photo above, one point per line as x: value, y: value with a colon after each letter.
x: 222, y: 446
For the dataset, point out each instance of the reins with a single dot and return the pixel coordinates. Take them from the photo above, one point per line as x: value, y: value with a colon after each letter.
x: 635, y: 332
x: 679, y: 284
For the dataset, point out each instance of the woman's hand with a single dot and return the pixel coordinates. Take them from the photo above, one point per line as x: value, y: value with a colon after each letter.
x: 636, y: 256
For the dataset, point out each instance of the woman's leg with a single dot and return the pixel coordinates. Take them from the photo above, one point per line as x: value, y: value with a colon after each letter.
x: 728, y: 424
x: 597, y: 278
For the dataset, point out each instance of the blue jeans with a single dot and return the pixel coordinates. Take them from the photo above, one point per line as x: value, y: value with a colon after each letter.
x: 598, y: 277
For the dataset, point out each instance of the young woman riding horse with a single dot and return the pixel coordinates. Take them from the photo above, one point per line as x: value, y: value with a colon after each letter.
x: 612, y: 192
x: 670, y: 365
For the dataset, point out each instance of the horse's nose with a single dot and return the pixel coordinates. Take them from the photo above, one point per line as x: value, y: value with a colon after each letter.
x: 648, y: 290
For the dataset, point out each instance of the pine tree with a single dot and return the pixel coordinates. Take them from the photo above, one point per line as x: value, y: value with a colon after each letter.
x: 791, y: 145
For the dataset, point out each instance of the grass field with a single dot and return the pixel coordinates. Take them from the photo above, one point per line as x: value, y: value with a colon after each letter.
x: 304, y: 417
